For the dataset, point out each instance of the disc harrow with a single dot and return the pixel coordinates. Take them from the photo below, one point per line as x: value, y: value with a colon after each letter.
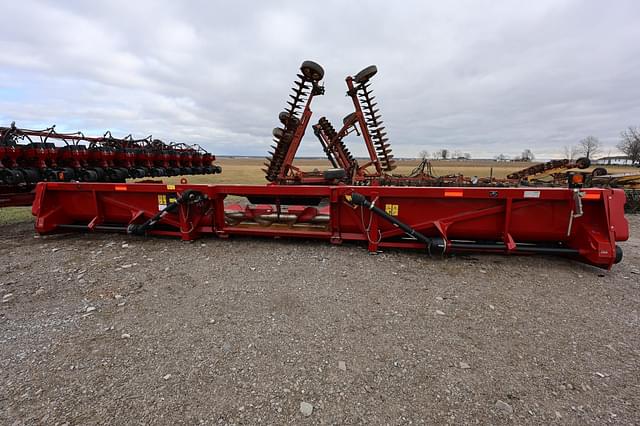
x: 293, y: 118
x: 373, y: 117
x: 334, y: 147
x: 538, y: 171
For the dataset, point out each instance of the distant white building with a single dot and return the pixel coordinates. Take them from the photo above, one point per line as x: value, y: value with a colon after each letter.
x: 616, y: 160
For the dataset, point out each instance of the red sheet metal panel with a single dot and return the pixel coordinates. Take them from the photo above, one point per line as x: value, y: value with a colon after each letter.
x: 510, y: 220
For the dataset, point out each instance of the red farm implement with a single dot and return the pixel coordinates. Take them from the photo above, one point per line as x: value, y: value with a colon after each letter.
x: 31, y: 156
x: 355, y: 200
x: 584, y: 225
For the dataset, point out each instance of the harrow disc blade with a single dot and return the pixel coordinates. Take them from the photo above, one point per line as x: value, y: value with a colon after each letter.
x: 312, y: 70
x: 366, y: 74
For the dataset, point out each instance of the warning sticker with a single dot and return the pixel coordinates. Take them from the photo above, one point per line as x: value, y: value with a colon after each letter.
x: 531, y: 194
x: 391, y: 209
x: 165, y: 199
x: 162, y: 201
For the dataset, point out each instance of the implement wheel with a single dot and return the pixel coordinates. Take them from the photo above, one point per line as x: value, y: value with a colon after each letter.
x: 366, y: 74
x: 312, y: 70
x: 599, y: 171
x: 583, y: 162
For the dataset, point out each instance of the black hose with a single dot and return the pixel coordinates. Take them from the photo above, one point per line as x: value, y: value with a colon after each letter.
x: 189, y: 196
x: 437, y: 245
x: 434, y: 245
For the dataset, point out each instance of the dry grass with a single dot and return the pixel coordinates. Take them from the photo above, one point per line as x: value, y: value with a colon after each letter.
x: 248, y: 170
x: 11, y: 215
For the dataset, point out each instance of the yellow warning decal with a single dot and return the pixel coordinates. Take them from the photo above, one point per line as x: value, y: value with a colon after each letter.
x: 171, y: 187
x: 162, y: 201
x: 172, y: 199
x: 391, y: 209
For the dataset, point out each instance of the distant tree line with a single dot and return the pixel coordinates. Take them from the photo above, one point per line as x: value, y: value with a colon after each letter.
x: 445, y: 154
x: 630, y: 144
x: 588, y: 147
x: 591, y: 147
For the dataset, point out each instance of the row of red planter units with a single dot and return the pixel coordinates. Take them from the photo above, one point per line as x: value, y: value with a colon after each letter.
x: 31, y: 156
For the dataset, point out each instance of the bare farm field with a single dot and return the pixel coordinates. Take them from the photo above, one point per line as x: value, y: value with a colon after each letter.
x: 248, y: 171
x: 112, y: 329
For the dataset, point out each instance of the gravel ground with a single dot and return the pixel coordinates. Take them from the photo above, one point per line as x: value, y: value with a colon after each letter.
x: 120, y: 330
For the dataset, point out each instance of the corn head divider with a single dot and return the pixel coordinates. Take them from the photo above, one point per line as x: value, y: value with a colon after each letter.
x: 581, y: 224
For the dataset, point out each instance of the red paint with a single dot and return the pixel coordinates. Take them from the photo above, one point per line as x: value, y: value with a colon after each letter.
x: 480, y: 214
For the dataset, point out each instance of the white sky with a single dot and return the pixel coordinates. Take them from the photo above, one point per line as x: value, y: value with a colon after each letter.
x: 484, y: 77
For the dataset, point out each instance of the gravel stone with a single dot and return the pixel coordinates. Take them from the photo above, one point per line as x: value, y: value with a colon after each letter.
x: 306, y: 409
x: 504, y: 407
x: 292, y: 320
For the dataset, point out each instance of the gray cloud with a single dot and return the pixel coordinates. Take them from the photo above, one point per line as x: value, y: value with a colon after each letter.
x: 482, y: 77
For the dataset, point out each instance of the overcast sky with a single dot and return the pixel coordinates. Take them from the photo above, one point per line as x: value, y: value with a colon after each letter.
x: 481, y: 77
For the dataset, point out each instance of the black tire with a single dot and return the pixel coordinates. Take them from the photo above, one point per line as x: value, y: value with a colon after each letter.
x: 599, y: 171
x: 88, y: 175
x: 11, y: 177
x: 312, y: 70
x: 366, y: 74
x: 583, y: 162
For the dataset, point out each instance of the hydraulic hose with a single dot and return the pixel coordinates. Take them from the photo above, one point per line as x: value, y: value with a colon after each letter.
x: 189, y: 196
x: 434, y: 245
